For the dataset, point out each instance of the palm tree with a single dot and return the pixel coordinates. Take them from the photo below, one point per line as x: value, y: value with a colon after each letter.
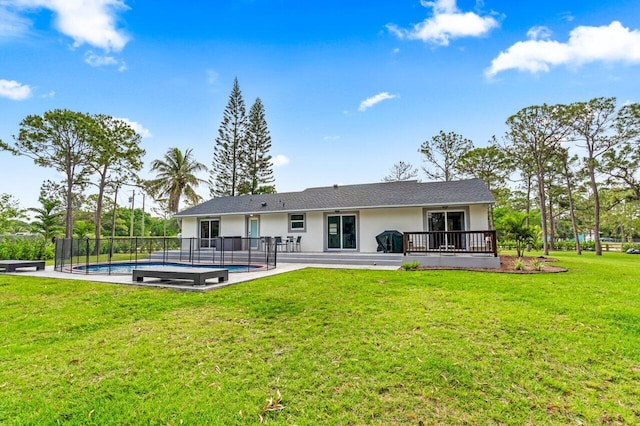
x: 175, y: 177
x: 48, y: 218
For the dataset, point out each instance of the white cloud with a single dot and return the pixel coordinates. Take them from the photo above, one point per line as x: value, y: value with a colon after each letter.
x: 139, y: 128
x: 51, y: 94
x: 280, y: 160
x: 447, y: 23
x: 612, y: 43
x: 96, y: 60
x: 13, y: 90
x: 539, y: 33
x: 368, y: 103
x: 91, y: 22
x: 11, y: 23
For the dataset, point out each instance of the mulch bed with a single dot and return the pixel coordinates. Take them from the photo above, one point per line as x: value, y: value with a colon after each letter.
x: 506, y: 266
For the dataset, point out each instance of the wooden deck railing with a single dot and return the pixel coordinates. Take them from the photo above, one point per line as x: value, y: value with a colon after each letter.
x: 451, y: 242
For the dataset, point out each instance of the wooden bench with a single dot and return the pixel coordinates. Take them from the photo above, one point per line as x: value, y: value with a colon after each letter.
x: 12, y: 265
x: 199, y: 276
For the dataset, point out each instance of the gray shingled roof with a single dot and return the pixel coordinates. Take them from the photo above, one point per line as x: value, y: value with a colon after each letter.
x: 387, y: 194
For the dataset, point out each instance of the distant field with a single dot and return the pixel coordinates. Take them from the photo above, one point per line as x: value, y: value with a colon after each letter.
x: 341, y: 347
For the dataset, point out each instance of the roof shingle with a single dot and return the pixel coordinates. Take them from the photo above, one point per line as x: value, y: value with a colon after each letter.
x: 372, y: 195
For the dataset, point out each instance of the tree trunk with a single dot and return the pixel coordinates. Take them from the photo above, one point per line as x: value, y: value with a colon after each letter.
x: 543, y: 212
x: 572, y: 210
x: 552, y: 226
x: 69, y: 215
x: 596, y: 205
x: 98, y: 218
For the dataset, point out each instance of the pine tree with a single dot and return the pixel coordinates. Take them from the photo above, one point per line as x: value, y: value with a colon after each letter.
x: 230, y: 149
x: 258, y: 172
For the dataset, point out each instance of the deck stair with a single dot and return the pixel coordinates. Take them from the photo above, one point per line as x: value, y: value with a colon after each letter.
x: 331, y: 258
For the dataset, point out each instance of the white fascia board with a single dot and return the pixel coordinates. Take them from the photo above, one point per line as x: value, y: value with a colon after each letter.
x: 330, y: 209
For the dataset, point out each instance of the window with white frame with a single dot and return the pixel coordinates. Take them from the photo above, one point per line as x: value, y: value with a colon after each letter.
x: 297, y: 222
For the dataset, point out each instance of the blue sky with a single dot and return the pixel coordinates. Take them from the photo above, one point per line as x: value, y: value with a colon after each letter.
x: 349, y: 87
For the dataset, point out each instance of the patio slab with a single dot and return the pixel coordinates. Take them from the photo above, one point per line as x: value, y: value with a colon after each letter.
x: 234, y: 278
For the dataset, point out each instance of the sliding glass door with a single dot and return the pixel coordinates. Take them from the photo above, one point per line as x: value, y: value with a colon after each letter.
x: 446, y: 221
x: 341, y: 232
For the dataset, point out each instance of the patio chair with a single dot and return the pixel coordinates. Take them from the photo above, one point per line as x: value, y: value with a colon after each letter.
x: 278, y: 243
x: 298, y: 245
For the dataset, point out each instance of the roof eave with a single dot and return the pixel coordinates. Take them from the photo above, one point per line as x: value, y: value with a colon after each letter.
x: 323, y: 209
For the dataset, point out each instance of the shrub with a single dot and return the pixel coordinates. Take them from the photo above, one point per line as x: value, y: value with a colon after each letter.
x: 411, y: 266
x: 26, y: 249
x: 518, y: 264
x: 537, y: 265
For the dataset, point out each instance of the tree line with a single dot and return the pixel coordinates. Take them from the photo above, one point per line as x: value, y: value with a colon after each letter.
x: 101, y: 152
x: 569, y: 164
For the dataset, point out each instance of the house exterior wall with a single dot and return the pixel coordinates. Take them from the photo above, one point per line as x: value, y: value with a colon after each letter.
x: 272, y: 225
x: 189, y: 227
x: 313, y: 236
x: 478, y: 217
x: 375, y: 221
x: 370, y: 222
x: 233, y: 226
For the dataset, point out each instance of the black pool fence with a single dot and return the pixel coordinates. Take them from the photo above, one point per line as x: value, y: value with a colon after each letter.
x: 79, y: 255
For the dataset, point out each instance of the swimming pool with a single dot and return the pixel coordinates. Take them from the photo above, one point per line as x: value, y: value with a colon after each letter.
x: 128, y: 267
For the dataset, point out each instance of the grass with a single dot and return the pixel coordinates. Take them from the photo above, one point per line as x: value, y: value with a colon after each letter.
x: 329, y: 347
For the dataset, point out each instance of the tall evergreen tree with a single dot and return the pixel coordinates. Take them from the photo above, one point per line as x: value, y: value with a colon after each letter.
x: 59, y: 139
x: 535, y: 133
x: 117, y: 157
x: 443, y: 153
x: 230, y: 149
x: 257, y: 170
x: 401, y: 171
x: 593, y: 129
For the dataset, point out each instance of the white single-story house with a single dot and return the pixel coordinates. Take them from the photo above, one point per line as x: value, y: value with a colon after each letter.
x: 346, y: 218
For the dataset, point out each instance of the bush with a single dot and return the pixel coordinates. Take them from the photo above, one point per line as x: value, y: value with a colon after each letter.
x: 26, y: 249
x: 518, y: 264
x: 627, y: 246
x: 536, y: 264
x: 410, y: 266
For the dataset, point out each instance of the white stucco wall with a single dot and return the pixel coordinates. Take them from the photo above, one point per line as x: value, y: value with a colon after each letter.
x: 189, y: 227
x: 233, y: 226
x: 273, y: 225
x: 373, y: 222
x: 313, y: 238
x: 478, y: 218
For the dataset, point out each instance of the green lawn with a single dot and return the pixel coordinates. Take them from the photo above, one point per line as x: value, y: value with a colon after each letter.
x: 342, y: 347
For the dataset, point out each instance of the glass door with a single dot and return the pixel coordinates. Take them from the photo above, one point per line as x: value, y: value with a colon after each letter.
x: 442, y: 223
x: 437, y: 223
x: 209, y: 229
x: 341, y: 232
x: 455, y: 222
x: 254, y: 233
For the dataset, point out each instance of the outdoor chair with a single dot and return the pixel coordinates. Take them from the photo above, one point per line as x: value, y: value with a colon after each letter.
x: 298, y: 245
x: 278, y: 243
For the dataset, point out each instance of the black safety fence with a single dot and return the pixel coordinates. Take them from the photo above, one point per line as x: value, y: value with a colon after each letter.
x: 119, y: 255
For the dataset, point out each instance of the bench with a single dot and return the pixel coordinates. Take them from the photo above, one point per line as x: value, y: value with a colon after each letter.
x: 12, y: 265
x: 199, y: 276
